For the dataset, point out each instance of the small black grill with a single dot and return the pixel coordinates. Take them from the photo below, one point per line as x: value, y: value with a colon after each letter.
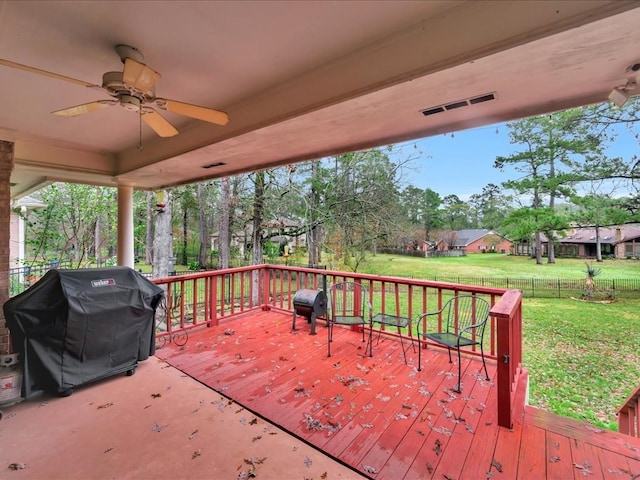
x: 311, y: 304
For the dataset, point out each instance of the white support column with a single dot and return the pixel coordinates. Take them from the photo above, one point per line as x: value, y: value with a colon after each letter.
x: 125, y: 226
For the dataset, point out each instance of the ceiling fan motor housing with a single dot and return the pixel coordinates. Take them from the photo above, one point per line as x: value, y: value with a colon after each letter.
x: 113, y: 84
x: 129, y: 102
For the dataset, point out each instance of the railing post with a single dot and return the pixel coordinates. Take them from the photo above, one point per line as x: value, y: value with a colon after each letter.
x: 266, y: 286
x: 504, y: 372
x: 508, y: 315
x: 213, y: 300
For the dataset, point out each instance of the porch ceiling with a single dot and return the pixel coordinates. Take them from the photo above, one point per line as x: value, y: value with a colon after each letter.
x: 299, y: 80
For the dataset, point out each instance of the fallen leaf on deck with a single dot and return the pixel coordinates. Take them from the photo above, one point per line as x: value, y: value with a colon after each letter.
x: 438, y: 447
x: 193, y: 435
x: 497, y: 465
x: 369, y: 469
x: 594, y: 429
x: 585, y: 468
x: 108, y: 450
x: 17, y: 466
x: 156, y: 395
x: 105, y: 405
x: 196, y: 454
x: 158, y: 428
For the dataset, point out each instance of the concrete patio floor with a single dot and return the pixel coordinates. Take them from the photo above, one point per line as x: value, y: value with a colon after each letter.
x: 157, y: 424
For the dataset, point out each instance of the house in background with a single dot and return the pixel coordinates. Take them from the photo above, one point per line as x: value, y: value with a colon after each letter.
x: 622, y: 241
x: 282, y: 231
x: 17, y: 229
x: 474, y: 241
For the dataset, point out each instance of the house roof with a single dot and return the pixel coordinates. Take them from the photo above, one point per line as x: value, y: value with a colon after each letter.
x: 462, y: 238
x: 608, y: 235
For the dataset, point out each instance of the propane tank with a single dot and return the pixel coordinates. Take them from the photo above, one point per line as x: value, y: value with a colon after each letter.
x: 10, y: 380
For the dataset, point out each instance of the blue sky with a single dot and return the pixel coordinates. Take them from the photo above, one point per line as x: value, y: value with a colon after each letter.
x: 462, y: 164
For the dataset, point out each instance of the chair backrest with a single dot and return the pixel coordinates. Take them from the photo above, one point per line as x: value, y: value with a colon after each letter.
x: 466, y: 315
x: 349, y: 300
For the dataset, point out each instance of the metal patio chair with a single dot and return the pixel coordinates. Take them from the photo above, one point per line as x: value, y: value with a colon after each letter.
x: 348, y: 305
x: 464, y: 318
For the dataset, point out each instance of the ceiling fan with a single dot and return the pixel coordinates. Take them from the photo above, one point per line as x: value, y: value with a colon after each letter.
x: 133, y: 89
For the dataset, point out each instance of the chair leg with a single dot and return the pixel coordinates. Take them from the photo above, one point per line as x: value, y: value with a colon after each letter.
x: 449, y: 350
x: 329, y: 339
x: 483, y: 363
x: 403, y: 350
x: 419, y: 353
x: 458, y: 389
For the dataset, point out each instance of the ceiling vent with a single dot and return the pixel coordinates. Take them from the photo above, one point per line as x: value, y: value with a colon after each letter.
x: 459, y: 104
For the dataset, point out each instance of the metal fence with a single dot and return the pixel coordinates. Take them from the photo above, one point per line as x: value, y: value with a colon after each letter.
x: 549, y: 287
x: 22, y: 278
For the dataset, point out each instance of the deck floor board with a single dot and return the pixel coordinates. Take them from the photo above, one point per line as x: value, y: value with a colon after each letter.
x: 384, y: 418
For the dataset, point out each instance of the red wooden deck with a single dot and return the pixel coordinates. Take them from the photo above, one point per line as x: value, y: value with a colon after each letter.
x: 383, y: 417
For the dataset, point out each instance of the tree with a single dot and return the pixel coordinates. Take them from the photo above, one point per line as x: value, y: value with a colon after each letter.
x: 554, y: 147
x: 150, y: 205
x: 422, y: 207
x: 360, y: 200
x: 224, y: 222
x: 489, y: 208
x: 204, y: 222
x: 598, y: 210
x: 163, y: 239
x: 456, y: 213
x: 67, y: 228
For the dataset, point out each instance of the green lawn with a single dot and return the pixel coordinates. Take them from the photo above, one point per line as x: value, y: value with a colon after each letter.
x: 582, y: 357
x: 480, y: 265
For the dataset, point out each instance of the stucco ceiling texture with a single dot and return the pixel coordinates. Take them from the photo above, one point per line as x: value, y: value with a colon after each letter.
x: 299, y: 80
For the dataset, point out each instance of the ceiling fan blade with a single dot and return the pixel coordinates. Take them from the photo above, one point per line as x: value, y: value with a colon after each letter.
x: 158, y: 123
x: 139, y: 76
x: 27, y: 68
x: 84, y: 108
x: 193, y: 111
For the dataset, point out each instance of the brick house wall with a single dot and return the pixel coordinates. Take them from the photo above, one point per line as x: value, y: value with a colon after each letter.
x: 489, y: 243
x: 6, y: 166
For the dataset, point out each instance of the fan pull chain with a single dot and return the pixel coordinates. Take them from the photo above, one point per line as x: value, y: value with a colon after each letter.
x: 140, y: 136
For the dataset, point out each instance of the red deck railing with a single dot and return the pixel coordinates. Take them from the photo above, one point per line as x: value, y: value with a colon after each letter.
x: 629, y: 416
x: 209, y: 298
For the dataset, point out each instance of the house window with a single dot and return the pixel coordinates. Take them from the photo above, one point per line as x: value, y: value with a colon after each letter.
x: 482, y: 247
x: 632, y: 250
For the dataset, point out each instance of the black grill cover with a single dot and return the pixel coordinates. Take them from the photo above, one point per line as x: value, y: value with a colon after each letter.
x: 77, y: 326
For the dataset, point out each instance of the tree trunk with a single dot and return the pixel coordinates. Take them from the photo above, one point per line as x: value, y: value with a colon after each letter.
x: 163, y: 240
x: 538, y: 249
x: 224, y: 243
x: 203, y: 259
x: 551, y: 252
x: 96, y: 242
x: 148, y: 238
x: 598, y: 245
x: 185, y: 233
x: 257, y: 240
x: 313, y: 246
